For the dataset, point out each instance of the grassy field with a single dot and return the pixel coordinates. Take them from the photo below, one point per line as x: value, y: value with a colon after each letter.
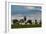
x: 17, y: 25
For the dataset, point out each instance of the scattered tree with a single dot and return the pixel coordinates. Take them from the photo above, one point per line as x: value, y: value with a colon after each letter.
x: 21, y: 20
x: 24, y: 18
x: 35, y: 21
x: 29, y: 21
x: 14, y: 21
x: 40, y: 22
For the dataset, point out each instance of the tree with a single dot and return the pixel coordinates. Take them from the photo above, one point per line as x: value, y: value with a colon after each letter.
x: 40, y: 22
x: 29, y: 21
x: 24, y: 18
x: 21, y: 20
x: 14, y: 21
x: 35, y: 21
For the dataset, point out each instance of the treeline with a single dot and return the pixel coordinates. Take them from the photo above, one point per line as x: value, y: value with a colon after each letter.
x: 22, y: 21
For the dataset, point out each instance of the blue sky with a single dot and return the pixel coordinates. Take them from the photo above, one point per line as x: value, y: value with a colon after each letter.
x: 25, y: 10
x: 33, y: 11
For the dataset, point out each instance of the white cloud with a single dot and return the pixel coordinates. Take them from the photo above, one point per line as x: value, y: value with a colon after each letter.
x: 18, y: 16
x: 32, y: 8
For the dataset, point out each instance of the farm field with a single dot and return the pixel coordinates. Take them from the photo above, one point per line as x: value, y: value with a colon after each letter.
x: 17, y: 25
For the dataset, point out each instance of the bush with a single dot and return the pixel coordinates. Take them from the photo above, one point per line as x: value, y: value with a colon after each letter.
x: 29, y: 21
x: 14, y: 21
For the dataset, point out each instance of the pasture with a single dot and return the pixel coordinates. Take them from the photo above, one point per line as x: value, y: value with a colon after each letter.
x: 25, y: 25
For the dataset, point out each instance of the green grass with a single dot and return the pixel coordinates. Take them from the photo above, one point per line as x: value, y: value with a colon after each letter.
x: 17, y: 25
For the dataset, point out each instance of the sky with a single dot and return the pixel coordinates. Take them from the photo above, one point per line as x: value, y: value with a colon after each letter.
x: 33, y: 11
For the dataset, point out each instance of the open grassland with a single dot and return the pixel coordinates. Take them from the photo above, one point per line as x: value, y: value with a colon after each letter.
x: 17, y: 25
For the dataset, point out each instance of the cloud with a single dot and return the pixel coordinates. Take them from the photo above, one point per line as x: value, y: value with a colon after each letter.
x: 32, y: 8
x: 32, y: 12
x: 17, y: 16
